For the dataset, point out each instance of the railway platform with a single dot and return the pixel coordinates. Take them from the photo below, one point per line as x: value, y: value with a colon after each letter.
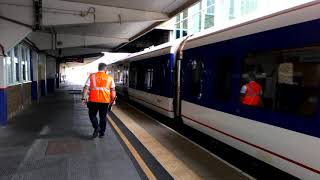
x: 52, y: 140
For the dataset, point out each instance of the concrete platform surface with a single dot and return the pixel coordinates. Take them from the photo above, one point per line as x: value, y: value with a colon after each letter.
x: 179, y: 156
x: 52, y: 140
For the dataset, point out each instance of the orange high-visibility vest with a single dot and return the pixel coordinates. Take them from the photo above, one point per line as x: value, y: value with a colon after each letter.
x: 100, y: 87
x: 253, y: 93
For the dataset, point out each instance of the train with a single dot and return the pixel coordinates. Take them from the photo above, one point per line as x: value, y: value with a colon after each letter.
x: 197, y: 80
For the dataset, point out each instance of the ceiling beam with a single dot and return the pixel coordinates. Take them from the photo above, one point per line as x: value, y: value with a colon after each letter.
x: 110, y: 5
x: 24, y: 17
x: 67, y: 40
x: 66, y: 13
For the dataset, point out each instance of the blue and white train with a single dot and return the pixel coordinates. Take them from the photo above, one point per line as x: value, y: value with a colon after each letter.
x: 198, y: 80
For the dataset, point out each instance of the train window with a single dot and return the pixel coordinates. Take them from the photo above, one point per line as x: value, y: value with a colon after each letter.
x: 197, y: 69
x: 298, y: 84
x: 121, y: 77
x: 118, y: 76
x: 133, y: 78
x: 148, y: 78
x: 222, y: 80
x: 125, y: 75
x: 286, y: 81
x: 159, y: 78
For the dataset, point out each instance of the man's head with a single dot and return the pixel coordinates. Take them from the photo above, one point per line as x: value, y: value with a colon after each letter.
x: 102, y: 67
x: 251, y: 76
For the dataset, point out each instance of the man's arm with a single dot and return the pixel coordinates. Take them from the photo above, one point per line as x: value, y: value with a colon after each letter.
x: 113, y: 94
x: 85, y: 91
x: 113, y: 91
x: 243, y: 92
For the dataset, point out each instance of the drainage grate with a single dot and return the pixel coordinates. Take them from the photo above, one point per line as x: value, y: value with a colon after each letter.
x: 59, y: 147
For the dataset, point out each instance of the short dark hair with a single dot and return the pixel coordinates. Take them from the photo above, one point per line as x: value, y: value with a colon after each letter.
x: 102, y: 66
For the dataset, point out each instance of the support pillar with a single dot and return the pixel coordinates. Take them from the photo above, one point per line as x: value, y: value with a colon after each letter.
x: 42, y: 74
x: 51, y: 74
x: 58, y: 74
x: 3, y: 94
x: 35, y: 94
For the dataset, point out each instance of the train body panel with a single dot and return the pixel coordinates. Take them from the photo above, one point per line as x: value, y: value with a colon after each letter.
x: 285, y: 149
x: 160, y: 104
x: 295, y: 15
x: 282, y: 49
x: 151, y: 74
x: 120, y: 73
x: 237, y: 51
x: 283, y: 133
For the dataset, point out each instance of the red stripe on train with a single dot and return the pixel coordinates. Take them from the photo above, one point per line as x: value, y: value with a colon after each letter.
x: 256, y: 146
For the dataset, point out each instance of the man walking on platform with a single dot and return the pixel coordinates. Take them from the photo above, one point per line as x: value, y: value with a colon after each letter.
x: 101, y: 89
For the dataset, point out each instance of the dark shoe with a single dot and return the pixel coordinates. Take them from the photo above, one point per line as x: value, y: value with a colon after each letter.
x: 101, y: 135
x: 95, y: 133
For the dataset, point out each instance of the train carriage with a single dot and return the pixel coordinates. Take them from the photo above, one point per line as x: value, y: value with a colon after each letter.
x: 281, y: 49
x: 120, y: 73
x: 151, y: 74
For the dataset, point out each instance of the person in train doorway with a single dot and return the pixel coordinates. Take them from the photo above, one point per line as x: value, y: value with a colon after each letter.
x: 99, y: 94
x: 251, y: 92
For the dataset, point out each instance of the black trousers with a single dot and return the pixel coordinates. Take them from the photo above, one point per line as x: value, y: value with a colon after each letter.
x: 102, y: 108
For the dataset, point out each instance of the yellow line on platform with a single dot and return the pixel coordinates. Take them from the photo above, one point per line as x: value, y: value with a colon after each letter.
x: 133, y: 151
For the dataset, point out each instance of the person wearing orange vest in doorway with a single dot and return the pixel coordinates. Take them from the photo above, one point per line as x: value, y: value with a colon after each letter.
x: 251, y: 92
x: 101, y: 88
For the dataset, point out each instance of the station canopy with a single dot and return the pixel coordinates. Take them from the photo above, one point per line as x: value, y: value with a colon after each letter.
x: 72, y: 27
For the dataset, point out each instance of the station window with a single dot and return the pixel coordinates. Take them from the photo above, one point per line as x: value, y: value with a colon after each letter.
x: 16, y: 63
x: 289, y: 79
x: 238, y: 8
x: 181, y: 24
x: 28, y: 65
x: 232, y: 13
x: 248, y: 6
x: 23, y: 63
x: 209, y: 13
x: 29, y: 52
x: 9, y: 67
x: 196, y: 18
x: 223, y: 79
x: 148, y: 78
x: 197, y: 70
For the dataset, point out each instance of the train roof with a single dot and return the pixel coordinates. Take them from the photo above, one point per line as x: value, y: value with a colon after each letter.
x: 163, y: 49
x: 251, y: 25
x: 237, y: 28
